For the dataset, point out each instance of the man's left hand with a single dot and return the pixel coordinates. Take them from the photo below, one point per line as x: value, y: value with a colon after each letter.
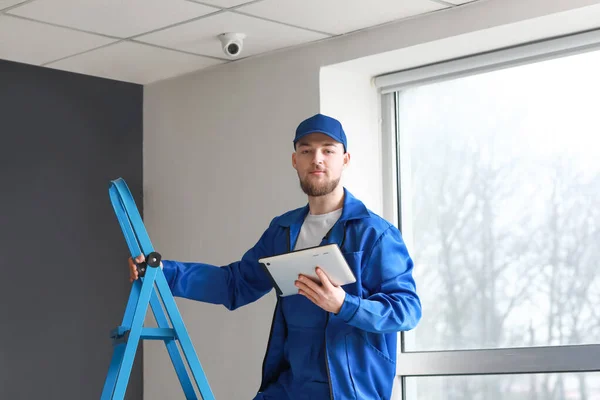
x: 324, y: 294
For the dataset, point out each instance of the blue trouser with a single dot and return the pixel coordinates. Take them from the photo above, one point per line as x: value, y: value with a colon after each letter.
x: 272, y: 395
x: 275, y: 391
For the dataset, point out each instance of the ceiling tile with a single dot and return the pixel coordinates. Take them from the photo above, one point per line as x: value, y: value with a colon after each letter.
x: 8, y: 3
x: 37, y: 43
x: 201, y: 36
x: 338, y: 16
x: 113, y: 17
x: 457, y: 2
x: 134, y: 62
x: 221, y: 3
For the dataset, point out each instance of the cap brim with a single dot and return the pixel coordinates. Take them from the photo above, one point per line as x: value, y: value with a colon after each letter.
x: 316, y: 131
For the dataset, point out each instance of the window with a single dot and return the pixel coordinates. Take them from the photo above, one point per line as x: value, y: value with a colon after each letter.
x: 577, y: 386
x: 499, y: 176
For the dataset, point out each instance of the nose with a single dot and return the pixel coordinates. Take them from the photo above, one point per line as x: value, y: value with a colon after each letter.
x: 317, y: 158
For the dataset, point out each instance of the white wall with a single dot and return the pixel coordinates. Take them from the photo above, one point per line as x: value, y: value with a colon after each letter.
x: 350, y: 97
x: 217, y: 166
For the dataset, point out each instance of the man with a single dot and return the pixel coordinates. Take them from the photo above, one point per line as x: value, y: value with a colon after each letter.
x: 327, y: 342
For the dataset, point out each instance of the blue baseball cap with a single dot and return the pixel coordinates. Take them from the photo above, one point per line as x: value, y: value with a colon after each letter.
x: 320, y: 123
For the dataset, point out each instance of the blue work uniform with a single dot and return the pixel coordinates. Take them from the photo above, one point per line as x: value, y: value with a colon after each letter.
x: 311, y: 353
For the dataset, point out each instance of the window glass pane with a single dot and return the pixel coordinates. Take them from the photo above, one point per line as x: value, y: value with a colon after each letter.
x: 581, y: 386
x: 500, y: 181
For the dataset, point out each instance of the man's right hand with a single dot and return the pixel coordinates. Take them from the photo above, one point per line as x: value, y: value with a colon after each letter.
x: 133, y: 272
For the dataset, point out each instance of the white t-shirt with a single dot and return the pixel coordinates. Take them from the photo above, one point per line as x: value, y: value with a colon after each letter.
x: 315, y: 227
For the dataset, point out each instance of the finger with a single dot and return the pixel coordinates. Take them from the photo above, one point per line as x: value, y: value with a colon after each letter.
x: 140, y: 259
x: 324, y: 278
x: 311, y: 294
x: 133, y: 273
x: 309, y: 280
x: 311, y: 284
x: 309, y: 297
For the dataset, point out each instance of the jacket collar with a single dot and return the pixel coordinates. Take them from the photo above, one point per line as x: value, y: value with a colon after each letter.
x: 352, y: 209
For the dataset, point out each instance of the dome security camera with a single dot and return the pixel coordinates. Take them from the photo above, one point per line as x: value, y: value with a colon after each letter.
x: 232, y: 43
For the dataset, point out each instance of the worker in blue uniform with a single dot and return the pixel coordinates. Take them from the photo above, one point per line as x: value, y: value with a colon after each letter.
x: 326, y: 342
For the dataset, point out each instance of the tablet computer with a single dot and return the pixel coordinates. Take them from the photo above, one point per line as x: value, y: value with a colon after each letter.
x: 285, y: 268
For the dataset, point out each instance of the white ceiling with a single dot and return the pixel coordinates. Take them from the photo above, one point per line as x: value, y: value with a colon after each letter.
x: 144, y: 41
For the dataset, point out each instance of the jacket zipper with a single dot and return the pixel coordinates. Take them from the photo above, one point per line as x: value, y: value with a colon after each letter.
x: 326, y: 237
x: 327, y: 361
x: 327, y: 322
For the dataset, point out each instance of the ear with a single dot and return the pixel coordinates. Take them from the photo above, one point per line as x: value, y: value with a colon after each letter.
x: 294, y: 160
x: 346, y: 159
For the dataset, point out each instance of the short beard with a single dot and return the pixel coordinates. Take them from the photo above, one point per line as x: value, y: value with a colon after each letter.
x: 318, y: 190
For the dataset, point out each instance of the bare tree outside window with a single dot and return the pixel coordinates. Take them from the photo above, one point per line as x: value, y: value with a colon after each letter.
x: 504, y: 183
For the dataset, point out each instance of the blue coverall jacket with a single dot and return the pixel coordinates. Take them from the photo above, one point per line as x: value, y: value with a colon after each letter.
x: 361, y: 339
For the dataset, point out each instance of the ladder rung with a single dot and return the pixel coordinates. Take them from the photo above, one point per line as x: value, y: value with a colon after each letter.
x: 147, y: 333
x: 158, y: 333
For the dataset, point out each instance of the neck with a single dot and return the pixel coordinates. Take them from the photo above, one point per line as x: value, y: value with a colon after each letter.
x: 328, y: 203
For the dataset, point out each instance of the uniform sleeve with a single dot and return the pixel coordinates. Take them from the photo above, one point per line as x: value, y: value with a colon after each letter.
x: 233, y: 285
x: 394, y: 304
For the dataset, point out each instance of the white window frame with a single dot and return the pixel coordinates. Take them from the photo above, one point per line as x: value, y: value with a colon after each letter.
x: 521, y: 360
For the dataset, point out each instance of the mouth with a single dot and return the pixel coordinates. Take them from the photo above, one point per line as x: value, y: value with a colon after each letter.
x: 317, y: 173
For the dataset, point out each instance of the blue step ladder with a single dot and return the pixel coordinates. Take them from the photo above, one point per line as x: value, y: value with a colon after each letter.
x: 143, y: 293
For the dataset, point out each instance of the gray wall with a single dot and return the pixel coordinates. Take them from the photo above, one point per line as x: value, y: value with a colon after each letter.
x: 63, y: 283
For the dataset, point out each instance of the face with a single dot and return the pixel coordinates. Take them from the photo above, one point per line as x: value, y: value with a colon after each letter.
x: 319, y: 161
